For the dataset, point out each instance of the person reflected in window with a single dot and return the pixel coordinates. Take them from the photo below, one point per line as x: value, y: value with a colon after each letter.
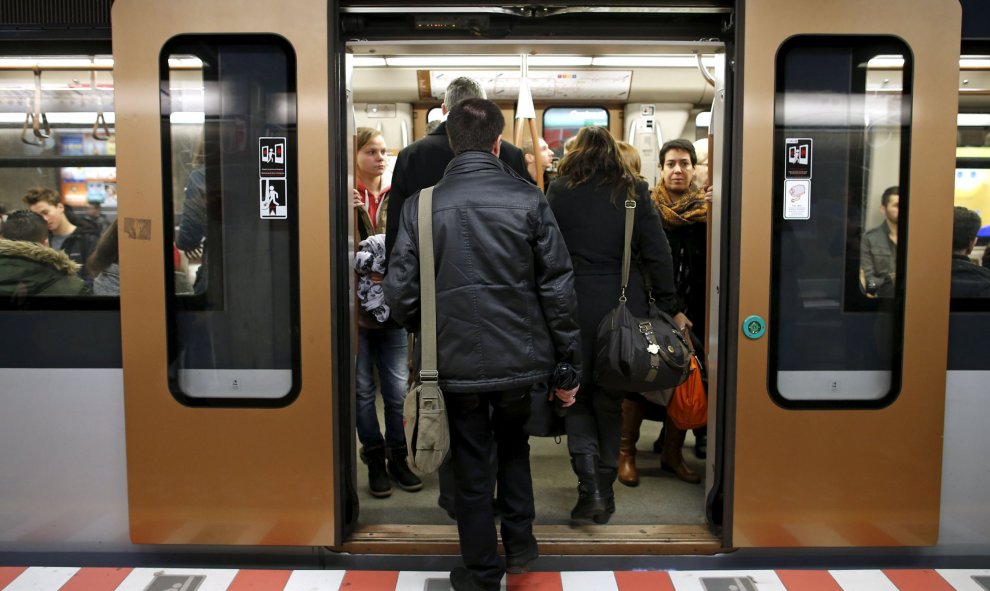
x: 588, y: 201
x: 191, y: 238
x: 77, y: 239
x: 878, y: 252
x: 969, y: 280
x: 28, y: 266
x: 382, y: 344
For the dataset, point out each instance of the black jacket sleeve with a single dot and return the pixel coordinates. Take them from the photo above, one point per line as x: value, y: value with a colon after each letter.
x: 396, y: 199
x: 555, y: 285
x: 401, y: 285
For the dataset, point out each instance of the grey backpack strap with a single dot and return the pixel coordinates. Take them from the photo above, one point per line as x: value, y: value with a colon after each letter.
x: 428, y: 289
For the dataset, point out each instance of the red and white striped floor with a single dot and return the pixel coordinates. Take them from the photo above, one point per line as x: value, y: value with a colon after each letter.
x: 151, y: 579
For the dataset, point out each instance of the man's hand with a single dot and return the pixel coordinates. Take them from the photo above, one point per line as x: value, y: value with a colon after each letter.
x: 568, y: 397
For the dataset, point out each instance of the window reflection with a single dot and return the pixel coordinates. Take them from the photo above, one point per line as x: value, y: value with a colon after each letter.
x: 842, y: 117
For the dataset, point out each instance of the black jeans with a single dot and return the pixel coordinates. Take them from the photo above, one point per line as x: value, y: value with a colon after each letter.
x: 476, y: 422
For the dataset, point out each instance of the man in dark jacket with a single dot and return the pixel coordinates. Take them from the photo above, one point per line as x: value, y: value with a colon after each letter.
x: 28, y: 267
x: 76, y: 237
x: 421, y: 163
x: 969, y: 280
x: 506, y: 315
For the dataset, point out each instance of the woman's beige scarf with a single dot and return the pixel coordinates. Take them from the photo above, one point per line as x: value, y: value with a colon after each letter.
x: 691, y: 208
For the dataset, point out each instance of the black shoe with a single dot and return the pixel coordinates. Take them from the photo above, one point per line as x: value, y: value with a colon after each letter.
x: 461, y: 579
x: 377, y: 474
x: 518, y: 564
x: 701, y: 443
x: 404, y: 477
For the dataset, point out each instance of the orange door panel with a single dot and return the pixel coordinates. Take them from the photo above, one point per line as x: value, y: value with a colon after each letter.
x: 204, y: 470
x: 829, y: 454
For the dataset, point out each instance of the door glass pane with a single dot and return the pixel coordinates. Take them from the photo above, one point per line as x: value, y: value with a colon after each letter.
x: 229, y: 128
x: 842, y: 118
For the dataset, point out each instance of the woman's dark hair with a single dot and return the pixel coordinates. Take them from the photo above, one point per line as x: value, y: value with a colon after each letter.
x: 105, y: 253
x: 596, y: 154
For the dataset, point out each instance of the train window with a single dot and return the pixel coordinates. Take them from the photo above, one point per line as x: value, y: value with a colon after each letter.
x: 562, y: 123
x: 228, y: 108
x: 57, y: 160
x: 971, y: 284
x: 842, y: 119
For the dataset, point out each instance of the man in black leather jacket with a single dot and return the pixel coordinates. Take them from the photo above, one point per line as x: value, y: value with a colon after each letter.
x: 421, y: 163
x: 506, y: 315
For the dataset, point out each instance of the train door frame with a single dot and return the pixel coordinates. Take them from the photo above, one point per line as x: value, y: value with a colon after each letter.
x: 376, y: 538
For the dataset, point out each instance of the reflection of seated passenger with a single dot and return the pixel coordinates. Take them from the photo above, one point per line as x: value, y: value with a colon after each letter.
x: 878, y: 251
x: 28, y: 266
x: 192, y: 229
x: 969, y: 280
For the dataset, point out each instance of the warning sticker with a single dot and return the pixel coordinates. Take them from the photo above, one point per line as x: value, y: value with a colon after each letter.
x: 274, y: 199
x: 797, y: 200
x: 271, y: 157
x: 797, y: 158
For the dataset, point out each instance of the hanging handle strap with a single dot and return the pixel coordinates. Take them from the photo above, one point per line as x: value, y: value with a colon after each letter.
x: 427, y: 290
x: 627, y: 249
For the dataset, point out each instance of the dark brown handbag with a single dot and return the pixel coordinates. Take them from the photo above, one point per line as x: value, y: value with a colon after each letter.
x: 638, y: 354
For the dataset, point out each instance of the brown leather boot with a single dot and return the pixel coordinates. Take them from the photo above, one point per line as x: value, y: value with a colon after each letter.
x: 632, y: 418
x: 671, y: 460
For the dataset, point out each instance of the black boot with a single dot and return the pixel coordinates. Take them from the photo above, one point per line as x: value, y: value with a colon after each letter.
x: 377, y: 476
x: 701, y: 442
x: 606, y: 478
x: 399, y: 470
x: 590, y: 500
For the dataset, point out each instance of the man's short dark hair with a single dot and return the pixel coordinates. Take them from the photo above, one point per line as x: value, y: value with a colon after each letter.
x: 25, y: 225
x: 965, y: 224
x: 38, y: 194
x: 885, y: 198
x: 679, y: 145
x: 474, y: 124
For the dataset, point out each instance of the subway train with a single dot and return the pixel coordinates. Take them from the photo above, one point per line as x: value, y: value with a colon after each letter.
x: 222, y: 418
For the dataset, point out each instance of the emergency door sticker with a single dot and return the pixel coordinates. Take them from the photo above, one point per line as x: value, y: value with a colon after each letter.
x: 274, y: 199
x: 271, y: 157
x: 797, y: 158
x: 797, y: 200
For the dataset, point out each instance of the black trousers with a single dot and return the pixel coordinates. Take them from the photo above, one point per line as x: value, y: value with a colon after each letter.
x: 477, y: 421
x: 594, y: 425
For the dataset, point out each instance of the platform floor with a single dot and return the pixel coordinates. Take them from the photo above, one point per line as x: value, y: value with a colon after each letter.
x: 153, y: 579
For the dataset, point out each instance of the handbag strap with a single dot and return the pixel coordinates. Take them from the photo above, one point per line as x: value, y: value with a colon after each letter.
x: 427, y: 289
x: 627, y: 249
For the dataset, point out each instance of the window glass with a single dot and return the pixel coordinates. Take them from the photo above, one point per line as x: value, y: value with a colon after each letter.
x: 562, y: 123
x: 57, y: 145
x: 229, y: 127
x: 842, y: 120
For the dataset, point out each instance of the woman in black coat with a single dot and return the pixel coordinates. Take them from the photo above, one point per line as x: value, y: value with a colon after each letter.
x: 588, y: 200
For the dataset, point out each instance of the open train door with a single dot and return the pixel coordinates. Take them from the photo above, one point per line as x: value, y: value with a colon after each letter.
x: 840, y: 377
x: 228, y: 381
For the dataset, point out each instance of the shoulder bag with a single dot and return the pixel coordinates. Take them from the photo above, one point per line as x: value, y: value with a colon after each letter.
x: 424, y: 414
x: 638, y: 354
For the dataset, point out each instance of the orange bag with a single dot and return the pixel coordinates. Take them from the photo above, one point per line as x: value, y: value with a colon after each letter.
x: 688, y: 407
